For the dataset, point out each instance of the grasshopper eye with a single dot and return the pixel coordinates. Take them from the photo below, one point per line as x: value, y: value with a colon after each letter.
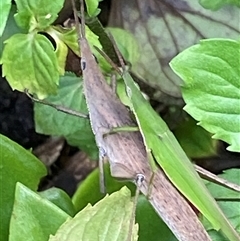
x: 102, y: 152
x: 83, y: 64
x: 139, y: 179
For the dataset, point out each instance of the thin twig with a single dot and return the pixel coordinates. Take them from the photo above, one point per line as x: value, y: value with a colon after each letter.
x: 57, y: 107
x: 217, y: 180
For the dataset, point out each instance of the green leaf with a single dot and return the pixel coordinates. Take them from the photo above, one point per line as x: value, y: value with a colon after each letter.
x: 96, y: 27
x: 65, y: 35
x: 60, y: 199
x: 17, y: 165
x: 63, y: 38
x: 127, y: 44
x: 151, y: 226
x: 232, y: 212
x: 109, y: 219
x: 33, y: 217
x: 89, y: 192
x: 61, y: 53
x: 5, y: 6
x: 198, y: 142
x: 217, y: 191
x: 92, y: 7
x: 10, y: 29
x: 165, y: 28
x: 29, y: 61
x: 211, y: 90
x: 217, y: 4
x: 230, y: 208
x: 69, y: 37
x: 77, y: 131
x: 93, y: 40
x: 37, y: 14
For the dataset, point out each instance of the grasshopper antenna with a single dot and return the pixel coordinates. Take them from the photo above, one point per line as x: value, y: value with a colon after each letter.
x: 108, y: 60
x: 82, y: 19
x: 80, y: 28
x: 119, y: 55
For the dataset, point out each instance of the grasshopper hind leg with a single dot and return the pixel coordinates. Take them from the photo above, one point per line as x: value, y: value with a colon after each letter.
x: 139, y: 179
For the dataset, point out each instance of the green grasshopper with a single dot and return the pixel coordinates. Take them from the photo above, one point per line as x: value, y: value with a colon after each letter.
x: 164, y: 149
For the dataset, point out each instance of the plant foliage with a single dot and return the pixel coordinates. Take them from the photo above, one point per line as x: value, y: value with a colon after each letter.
x: 33, y: 56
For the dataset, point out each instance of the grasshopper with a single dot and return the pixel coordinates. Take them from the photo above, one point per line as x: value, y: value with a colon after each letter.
x: 105, y: 109
x: 163, y: 148
x: 105, y: 112
x: 126, y: 149
x: 201, y: 171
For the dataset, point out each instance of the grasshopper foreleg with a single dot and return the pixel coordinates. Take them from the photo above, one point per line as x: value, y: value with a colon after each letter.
x: 115, y: 130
